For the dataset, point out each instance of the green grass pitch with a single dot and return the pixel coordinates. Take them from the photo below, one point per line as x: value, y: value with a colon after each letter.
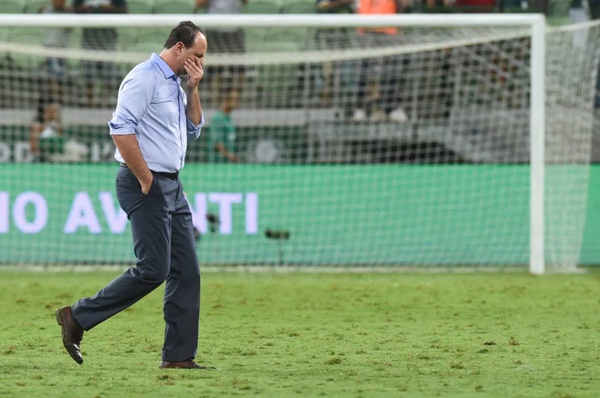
x: 317, y: 334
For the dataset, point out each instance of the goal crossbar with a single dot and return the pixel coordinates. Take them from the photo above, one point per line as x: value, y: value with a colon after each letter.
x: 259, y: 20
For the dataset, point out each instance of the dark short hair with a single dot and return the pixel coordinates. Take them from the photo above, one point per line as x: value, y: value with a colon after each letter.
x: 43, y: 102
x: 184, y: 32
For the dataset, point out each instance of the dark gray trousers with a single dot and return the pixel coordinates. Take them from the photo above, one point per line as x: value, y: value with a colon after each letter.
x: 164, y: 245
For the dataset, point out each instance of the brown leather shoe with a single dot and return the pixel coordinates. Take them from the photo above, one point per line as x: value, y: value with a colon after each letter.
x: 189, y: 364
x: 72, y: 333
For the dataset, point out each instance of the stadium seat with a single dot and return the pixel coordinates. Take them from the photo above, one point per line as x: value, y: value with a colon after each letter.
x: 298, y: 36
x: 33, y: 6
x: 11, y: 7
x: 173, y: 7
x: 558, y: 9
x: 75, y: 38
x: 128, y: 38
x: 262, y: 7
x: 298, y: 7
x: 152, y: 40
x: 140, y: 6
x: 33, y: 35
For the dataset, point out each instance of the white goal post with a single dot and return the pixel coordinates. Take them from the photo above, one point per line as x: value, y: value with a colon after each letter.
x: 534, y: 26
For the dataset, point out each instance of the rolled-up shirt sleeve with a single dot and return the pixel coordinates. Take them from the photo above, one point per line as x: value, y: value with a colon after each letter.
x: 195, y: 130
x: 135, y: 95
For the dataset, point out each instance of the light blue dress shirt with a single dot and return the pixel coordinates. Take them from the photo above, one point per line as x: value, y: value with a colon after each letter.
x: 151, y: 105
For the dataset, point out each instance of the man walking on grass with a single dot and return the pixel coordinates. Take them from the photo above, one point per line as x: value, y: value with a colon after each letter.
x: 151, y: 124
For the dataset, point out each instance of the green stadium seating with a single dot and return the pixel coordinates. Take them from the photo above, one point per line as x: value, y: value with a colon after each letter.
x: 558, y: 8
x: 152, y: 40
x: 33, y: 6
x: 298, y: 7
x: 140, y: 6
x: 173, y: 7
x: 11, y: 7
x: 298, y: 36
x: 262, y: 7
x: 35, y: 35
x: 128, y: 38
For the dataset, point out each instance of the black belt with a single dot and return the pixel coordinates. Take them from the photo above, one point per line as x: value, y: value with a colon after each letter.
x: 172, y: 176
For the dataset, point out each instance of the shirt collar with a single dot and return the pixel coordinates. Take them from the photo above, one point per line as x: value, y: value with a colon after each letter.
x: 166, y: 70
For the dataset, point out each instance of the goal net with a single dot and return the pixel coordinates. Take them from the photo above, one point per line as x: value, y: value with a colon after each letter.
x: 417, y: 140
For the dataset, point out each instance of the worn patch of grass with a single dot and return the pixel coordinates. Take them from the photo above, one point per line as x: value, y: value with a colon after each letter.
x: 299, y: 334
